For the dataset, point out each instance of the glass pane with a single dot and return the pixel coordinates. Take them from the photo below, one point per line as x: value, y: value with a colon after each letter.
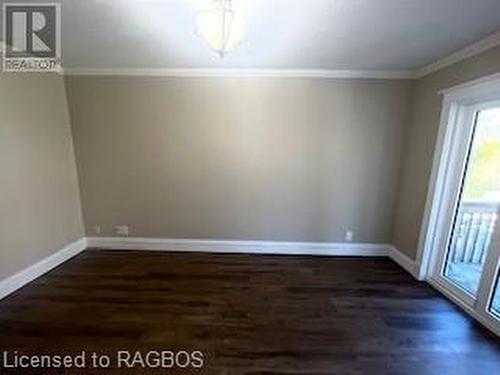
x: 479, y: 202
x: 495, y: 302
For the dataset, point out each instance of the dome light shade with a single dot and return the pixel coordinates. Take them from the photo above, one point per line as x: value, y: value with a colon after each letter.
x: 222, y: 29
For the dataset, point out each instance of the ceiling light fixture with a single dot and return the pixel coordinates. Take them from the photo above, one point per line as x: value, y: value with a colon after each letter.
x: 221, y: 27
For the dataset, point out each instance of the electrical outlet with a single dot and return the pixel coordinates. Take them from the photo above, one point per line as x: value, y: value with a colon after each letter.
x: 349, y: 235
x: 97, y: 229
x: 121, y: 230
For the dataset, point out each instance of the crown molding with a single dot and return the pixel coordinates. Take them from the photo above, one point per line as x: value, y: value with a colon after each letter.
x: 245, y: 73
x: 474, y: 49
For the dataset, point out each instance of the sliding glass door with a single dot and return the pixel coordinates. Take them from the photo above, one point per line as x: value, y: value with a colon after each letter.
x: 478, y: 204
x: 468, y: 259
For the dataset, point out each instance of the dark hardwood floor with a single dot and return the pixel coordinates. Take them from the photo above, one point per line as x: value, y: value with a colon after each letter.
x: 248, y: 315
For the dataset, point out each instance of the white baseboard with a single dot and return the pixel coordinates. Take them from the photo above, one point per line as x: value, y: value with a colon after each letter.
x: 405, y: 262
x: 12, y: 283
x: 27, y: 275
x: 227, y: 246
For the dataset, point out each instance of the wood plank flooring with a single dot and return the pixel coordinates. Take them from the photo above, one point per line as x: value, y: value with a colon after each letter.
x: 248, y: 314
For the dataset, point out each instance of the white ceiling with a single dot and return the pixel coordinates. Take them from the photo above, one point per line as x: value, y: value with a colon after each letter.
x: 283, y: 34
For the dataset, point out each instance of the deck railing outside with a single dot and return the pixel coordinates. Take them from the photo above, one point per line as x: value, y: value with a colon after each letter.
x: 473, y: 231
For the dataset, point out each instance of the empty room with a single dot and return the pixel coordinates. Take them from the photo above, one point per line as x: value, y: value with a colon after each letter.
x: 250, y: 187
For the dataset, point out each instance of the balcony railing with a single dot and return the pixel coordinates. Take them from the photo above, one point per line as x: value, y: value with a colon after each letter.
x: 473, y: 231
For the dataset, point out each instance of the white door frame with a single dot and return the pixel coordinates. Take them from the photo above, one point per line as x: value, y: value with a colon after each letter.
x: 460, y: 104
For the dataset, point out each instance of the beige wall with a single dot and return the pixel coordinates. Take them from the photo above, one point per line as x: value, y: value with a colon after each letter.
x: 266, y: 159
x: 421, y: 141
x: 39, y: 202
